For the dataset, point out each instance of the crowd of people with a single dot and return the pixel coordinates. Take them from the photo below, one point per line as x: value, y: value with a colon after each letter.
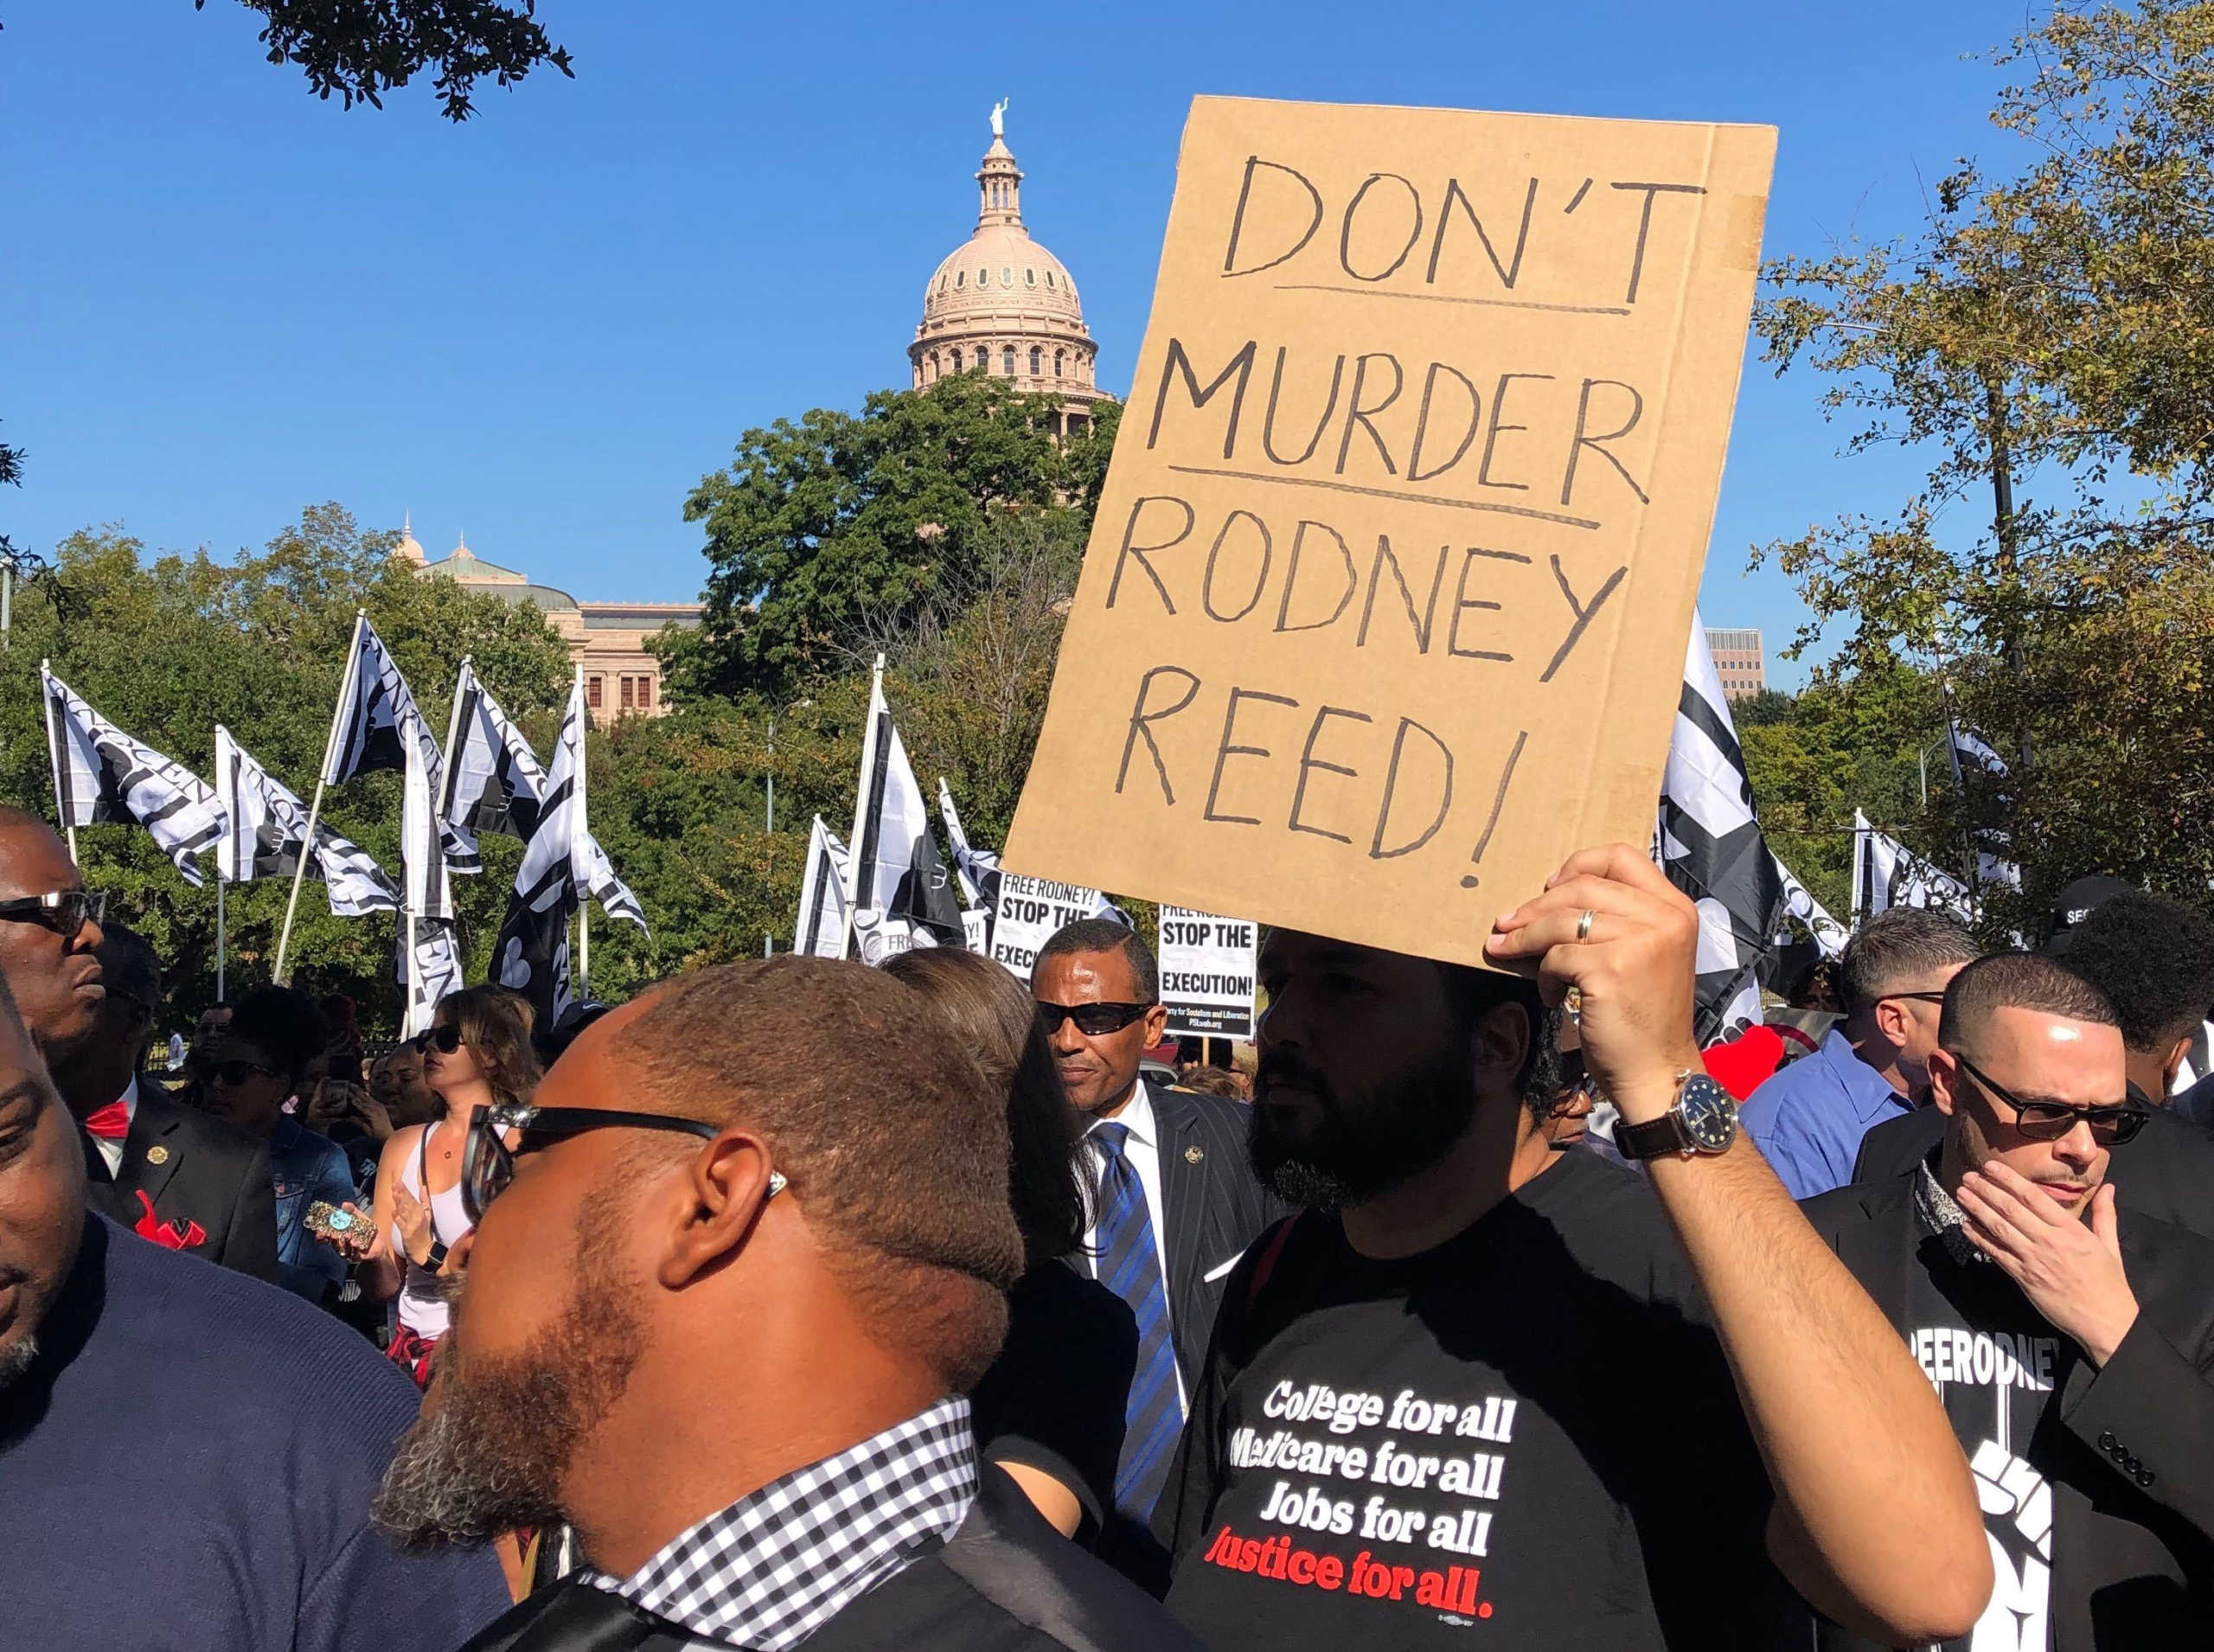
x: 800, y: 1303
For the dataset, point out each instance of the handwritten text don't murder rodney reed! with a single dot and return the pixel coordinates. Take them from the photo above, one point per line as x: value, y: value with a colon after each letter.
x: 1386, y: 598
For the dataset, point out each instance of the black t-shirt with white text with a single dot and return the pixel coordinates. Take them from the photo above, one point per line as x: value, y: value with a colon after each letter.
x: 1526, y: 1437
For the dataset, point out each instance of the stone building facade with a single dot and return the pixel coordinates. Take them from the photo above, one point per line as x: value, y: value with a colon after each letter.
x: 607, y: 638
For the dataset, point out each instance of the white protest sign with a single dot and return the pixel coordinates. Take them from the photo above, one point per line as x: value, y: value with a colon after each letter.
x: 1030, y: 911
x: 1208, y: 966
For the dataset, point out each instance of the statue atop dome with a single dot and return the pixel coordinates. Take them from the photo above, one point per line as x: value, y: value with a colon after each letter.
x: 998, y: 118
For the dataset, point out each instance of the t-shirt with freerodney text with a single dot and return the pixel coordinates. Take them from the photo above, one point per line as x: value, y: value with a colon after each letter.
x: 1526, y: 1437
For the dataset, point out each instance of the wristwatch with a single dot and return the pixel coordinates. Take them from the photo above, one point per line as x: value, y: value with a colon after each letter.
x: 1704, y: 1120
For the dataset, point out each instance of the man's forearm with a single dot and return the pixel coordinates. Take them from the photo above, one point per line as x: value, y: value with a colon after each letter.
x: 1857, y: 1445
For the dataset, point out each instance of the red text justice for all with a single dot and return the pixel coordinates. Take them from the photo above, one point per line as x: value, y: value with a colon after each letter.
x: 1453, y: 1590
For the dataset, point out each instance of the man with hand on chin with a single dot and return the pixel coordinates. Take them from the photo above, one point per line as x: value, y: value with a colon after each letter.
x: 2072, y: 1344
x: 1479, y: 1380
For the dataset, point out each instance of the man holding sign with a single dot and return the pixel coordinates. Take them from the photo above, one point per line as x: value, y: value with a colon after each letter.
x: 1383, y: 609
x: 1481, y: 1383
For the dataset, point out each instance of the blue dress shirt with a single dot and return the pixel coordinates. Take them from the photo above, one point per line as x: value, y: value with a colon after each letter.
x: 1808, y: 1119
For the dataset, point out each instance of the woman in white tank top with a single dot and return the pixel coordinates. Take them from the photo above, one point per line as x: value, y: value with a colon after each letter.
x: 477, y: 1054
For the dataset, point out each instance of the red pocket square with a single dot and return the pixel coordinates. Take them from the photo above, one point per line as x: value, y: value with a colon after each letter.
x: 166, y: 1234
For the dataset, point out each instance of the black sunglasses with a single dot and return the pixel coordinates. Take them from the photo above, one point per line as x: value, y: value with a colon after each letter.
x: 487, y: 1163
x: 62, y: 910
x: 2048, y: 1121
x: 238, y: 1071
x: 445, y: 1039
x: 1093, y: 1021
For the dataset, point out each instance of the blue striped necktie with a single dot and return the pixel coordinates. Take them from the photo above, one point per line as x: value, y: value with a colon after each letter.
x: 1129, y: 1264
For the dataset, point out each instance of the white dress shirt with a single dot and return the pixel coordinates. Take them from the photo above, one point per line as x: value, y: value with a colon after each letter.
x: 112, y: 1152
x: 1142, y: 1149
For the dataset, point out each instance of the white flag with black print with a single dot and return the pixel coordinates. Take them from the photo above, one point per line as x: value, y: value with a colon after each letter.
x: 900, y: 890
x: 562, y: 865
x: 821, y: 930
x: 977, y: 870
x: 267, y: 824
x: 377, y: 725
x: 1798, y: 902
x: 430, y: 974
x: 102, y: 774
x: 1711, y: 846
x: 1886, y: 873
x: 1971, y: 756
x: 493, y: 780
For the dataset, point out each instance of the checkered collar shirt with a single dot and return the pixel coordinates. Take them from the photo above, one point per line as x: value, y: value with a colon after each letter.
x: 777, y: 1565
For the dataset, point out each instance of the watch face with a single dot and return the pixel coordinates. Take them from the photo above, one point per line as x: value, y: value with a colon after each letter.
x: 1709, y: 1112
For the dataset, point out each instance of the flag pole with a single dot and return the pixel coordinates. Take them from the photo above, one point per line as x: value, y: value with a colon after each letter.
x: 53, y: 755
x: 282, y: 977
x: 852, y: 880
x: 581, y: 825
x: 219, y: 937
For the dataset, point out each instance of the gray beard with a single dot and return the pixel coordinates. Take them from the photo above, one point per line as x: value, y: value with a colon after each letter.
x: 496, y: 1438
x: 15, y: 1361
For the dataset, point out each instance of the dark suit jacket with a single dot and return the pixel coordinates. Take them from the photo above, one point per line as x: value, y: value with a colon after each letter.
x: 1006, y: 1582
x: 194, y: 1168
x: 2128, y: 1450
x: 2167, y: 1173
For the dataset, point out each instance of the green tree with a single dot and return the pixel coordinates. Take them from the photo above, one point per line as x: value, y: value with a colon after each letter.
x: 2046, y: 328
x: 171, y: 645
x: 824, y: 533
x: 360, y: 48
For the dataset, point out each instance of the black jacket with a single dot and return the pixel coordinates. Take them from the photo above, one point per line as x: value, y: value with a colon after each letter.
x: 2167, y: 1173
x: 2127, y: 1450
x: 1006, y: 1582
x: 193, y: 1169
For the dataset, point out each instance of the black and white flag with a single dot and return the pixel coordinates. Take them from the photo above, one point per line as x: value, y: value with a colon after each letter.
x: 100, y: 774
x: 493, y: 780
x: 1711, y: 846
x: 899, y: 891
x: 1798, y: 902
x: 562, y: 866
x: 1886, y: 873
x: 1971, y: 755
x: 430, y: 974
x: 820, y: 931
x: 376, y: 726
x: 266, y: 826
x: 977, y: 870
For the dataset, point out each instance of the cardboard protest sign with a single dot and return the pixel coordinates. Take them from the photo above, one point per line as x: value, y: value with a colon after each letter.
x: 1030, y: 911
x: 1207, y: 966
x: 1384, y: 606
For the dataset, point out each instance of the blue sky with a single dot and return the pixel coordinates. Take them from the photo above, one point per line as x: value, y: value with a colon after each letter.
x: 221, y: 300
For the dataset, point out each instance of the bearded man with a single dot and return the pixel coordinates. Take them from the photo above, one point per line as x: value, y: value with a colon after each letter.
x: 1478, y: 1380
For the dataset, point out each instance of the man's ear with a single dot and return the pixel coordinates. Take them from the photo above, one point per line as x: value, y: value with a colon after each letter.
x: 713, y: 1206
x: 1890, y: 1022
x: 1944, y: 1081
x: 1500, y: 1047
x: 2172, y: 1066
x: 1156, y: 1024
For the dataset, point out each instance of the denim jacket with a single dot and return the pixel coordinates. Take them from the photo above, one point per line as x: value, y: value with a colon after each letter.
x: 307, y: 1167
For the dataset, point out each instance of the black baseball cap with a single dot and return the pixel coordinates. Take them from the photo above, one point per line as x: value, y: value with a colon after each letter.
x: 2078, y: 901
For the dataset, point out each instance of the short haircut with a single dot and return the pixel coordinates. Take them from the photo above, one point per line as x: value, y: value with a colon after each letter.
x: 2154, y: 961
x: 895, y: 1142
x: 1473, y: 993
x: 1900, y: 944
x: 2017, y: 981
x: 1105, y: 935
x: 283, y: 1021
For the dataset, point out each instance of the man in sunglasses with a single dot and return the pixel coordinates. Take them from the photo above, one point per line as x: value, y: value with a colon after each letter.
x: 1808, y: 1119
x: 2072, y: 1344
x: 732, y: 1273
x: 1178, y: 1201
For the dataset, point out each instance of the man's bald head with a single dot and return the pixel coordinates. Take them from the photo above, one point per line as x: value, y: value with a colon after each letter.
x: 54, y: 976
x: 895, y: 1144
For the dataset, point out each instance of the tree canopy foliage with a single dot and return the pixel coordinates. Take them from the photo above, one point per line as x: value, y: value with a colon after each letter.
x: 825, y: 532
x: 2047, y: 342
